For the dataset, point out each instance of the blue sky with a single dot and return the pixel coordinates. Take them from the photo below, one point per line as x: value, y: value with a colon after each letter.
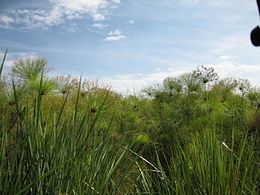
x: 130, y: 44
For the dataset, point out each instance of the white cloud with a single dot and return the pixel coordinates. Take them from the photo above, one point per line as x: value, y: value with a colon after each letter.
x: 60, y: 12
x: 224, y: 58
x: 99, y: 25
x: 115, y: 35
x: 115, y: 38
x: 98, y: 17
x: 131, y: 22
x: 115, y: 32
x: 79, y: 5
x: 6, y: 19
x: 117, y: 1
x: 11, y: 57
x: 229, y: 69
x: 131, y: 83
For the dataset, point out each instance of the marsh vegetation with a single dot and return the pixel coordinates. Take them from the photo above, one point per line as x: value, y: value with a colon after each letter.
x: 192, y: 134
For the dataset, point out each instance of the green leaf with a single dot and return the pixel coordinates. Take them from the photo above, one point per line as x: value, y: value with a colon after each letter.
x: 2, y: 64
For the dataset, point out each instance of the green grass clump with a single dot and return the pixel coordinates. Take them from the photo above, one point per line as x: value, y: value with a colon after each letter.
x: 203, y: 166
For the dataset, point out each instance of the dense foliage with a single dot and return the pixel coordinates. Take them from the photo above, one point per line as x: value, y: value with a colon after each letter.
x: 192, y: 134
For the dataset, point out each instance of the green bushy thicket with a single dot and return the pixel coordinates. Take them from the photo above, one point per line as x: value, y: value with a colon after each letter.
x: 192, y: 134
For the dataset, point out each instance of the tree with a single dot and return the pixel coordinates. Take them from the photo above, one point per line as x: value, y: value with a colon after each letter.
x: 29, y: 69
x: 46, y: 86
x: 205, y: 74
x: 172, y: 85
x: 189, y: 82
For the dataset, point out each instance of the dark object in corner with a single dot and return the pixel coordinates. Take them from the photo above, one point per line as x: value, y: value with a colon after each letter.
x: 255, y: 33
x: 255, y: 36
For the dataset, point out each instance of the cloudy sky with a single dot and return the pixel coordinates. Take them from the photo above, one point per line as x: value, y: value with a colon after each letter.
x: 130, y: 44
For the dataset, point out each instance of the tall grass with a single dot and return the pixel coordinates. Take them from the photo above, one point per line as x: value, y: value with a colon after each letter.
x: 75, y: 157
x: 204, y: 166
x: 41, y: 156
